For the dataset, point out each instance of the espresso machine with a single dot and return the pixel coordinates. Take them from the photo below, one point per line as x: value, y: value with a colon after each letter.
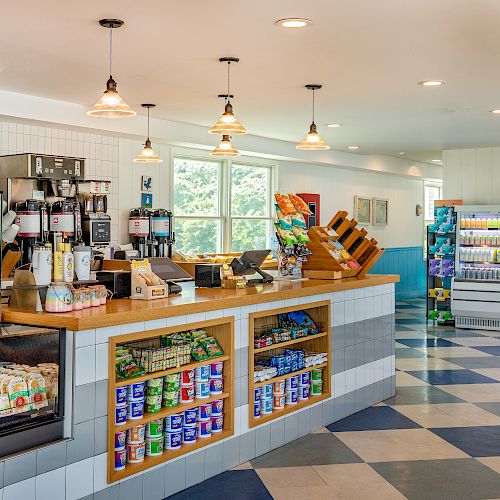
x: 96, y: 223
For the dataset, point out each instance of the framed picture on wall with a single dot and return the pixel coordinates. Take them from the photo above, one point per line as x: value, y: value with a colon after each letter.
x: 146, y: 200
x: 147, y: 184
x: 362, y: 209
x: 380, y: 212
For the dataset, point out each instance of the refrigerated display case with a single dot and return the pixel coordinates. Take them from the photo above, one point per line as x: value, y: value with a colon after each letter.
x: 476, y: 287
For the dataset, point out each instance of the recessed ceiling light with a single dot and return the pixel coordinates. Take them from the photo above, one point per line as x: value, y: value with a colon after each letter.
x: 352, y: 147
x: 402, y: 152
x: 495, y: 111
x: 334, y: 125
x: 293, y: 22
x: 431, y: 83
x: 436, y: 161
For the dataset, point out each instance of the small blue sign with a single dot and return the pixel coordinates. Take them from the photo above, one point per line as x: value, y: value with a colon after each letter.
x: 146, y: 200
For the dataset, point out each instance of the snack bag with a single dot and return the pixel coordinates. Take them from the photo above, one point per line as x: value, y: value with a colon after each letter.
x: 298, y: 220
x: 212, y: 347
x: 299, y: 204
x: 300, y: 234
x: 286, y: 206
x: 126, y: 367
x: 198, y: 351
x: 285, y: 221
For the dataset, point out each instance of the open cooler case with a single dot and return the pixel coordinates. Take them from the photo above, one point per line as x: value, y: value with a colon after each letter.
x: 476, y: 287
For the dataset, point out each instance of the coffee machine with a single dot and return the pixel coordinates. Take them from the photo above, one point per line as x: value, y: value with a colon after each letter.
x: 32, y: 219
x: 162, y: 234
x: 96, y: 223
x: 139, y: 230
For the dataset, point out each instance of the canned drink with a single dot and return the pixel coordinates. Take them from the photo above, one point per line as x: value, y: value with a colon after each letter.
x: 256, y: 409
x: 187, y: 394
x: 205, y: 412
x: 291, y: 383
x: 202, y: 373
x: 216, y: 369
x: 279, y: 387
x: 266, y: 391
x: 190, y: 417
x: 291, y: 397
x: 316, y: 389
x: 155, y: 428
x: 217, y: 424
x: 317, y: 374
x: 204, y: 429
x: 135, y: 391
x: 201, y: 390
x: 154, y: 447
x: 171, y: 382
x: 303, y: 392
x: 170, y: 399
x: 120, y: 439
x: 189, y: 435
x: 217, y: 407
x: 256, y: 394
x: 121, y: 415
x: 135, y: 453
x: 155, y: 386
x: 173, y: 440
x: 187, y: 378
x: 173, y: 422
x: 120, y: 459
x: 121, y: 396
x: 153, y: 404
x: 266, y: 406
x: 304, y: 379
x: 278, y: 401
x: 136, y: 434
x: 216, y: 386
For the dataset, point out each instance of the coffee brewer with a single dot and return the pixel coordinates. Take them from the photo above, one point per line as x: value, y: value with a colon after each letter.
x: 96, y: 222
x: 31, y: 217
x: 139, y: 230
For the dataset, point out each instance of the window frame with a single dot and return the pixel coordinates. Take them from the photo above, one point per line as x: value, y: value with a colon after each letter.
x: 225, y: 216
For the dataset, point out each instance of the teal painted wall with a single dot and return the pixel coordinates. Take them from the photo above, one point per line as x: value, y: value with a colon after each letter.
x: 409, y: 263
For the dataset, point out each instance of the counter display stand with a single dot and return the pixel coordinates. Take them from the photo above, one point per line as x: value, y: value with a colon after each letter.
x: 221, y: 329
x: 263, y: 321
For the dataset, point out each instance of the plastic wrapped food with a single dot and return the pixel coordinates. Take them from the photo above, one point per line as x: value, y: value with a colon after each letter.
x: 286, y: 236
x: 198, y: 352
x: 212, y: 347
x: 285, y: 221
x: 285, y: 204
x: 300, y: 234
x: 298, y: 220
x: 126, y: 367
x: 299, y: 204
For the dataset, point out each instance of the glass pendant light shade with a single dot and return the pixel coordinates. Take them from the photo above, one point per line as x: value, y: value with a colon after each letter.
x: 228, y: 124
x: 312, y: 141
x: 147, y: 155
x: 111, y: 104
x: 225, y: 148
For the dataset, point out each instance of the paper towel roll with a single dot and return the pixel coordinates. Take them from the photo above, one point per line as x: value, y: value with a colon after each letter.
x: 9, y: 235
x: 8, y: 219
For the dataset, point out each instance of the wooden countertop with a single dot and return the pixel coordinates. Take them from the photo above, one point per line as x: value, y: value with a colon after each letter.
x: 192, y: 300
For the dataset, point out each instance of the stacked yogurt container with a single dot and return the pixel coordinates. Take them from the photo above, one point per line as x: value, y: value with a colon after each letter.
x: 316, y: 381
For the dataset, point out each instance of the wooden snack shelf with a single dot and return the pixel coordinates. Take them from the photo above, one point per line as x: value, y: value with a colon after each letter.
x: 221, y: 329
x: 320, y: 313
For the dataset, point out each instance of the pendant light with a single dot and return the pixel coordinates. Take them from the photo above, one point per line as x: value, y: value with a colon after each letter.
x: 225, y: 148
x: 312, y: 141
x: 147, y: 155
x: 227, y: 123
x: 111, y: 104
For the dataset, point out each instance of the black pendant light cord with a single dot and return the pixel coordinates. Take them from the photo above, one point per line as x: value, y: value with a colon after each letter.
x: 148, y: 124
x: 313, y: 105
x: 110, y: 51
x: 228, y: 80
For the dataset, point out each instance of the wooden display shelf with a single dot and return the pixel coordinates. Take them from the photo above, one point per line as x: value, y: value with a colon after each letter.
x: 221, y: 329
x: 170, y: 455
x: 162, y: 373
x: 258, y: 350
x: 320, y: 313
x: 288, y: 375
x: 166, y: 412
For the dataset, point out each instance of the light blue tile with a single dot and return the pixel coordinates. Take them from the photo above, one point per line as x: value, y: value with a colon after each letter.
x: 101, y: 435
x: 263, y: 440
x: 84, y: 406
x: 195, y: 466
x: 248, y: 446
x: 101, y: 398
x: 291, y: 427
x: 304, y: 422
x: 19, y: 468
x: 82, y: 446
x: 50, y: 457
x: 111, y: 493
x: 316, y: 417
x: 231, y: 453
x: 131, y: 489
x: 350, y: 357
x: 328, y: 412
x: 153, y: 484
x: 175, y: 476
x: 213, y: 460
x: 338, y: 361
x: 277, y: 434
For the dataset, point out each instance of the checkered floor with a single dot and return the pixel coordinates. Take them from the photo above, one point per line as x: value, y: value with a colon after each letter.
x: 438, y: 438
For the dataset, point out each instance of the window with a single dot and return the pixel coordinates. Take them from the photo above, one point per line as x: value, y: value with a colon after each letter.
x: 221, y: 206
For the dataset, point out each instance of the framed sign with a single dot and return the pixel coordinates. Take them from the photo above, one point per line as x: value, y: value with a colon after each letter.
x: 362, y: 209
x: 380, y: 212
x: 146, y: 200
x: 147, y: 184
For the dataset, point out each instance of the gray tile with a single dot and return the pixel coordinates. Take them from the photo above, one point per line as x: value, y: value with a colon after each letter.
x: 328, y: 412
x: 378, y: 327
x: 350, y: 335
x: 304, y: 422
x: 378, y: 391
x: 292, y: 427
x: 333, y: 344
x: 51, y: 457
x: 408, y: 352
x: 369, y: 351
x: 84, y: 407
x: 338, y: 337
x: 244, y: 360
x: 316, y: 417
x: 314, y: 449
x: 263, y: 440
x: 82, y: 446
x: 340, y: 408
x: 101, y: 398
x: 460, y: 479
x: 419, y: 395
x: 371, y: 396
x: 237, y: 392
x: 359, y: 332
x: 131, y: 489
x: 350, y: 357
x: 277, y: 433
x: 237, y: 364
x: 379, y: 348
x: 195, y: 464
x: 360, y: 354
x: 175, y: 476
x: 476, y: 363
x: 2, y: 468
x: 112, y: 493
x: 153, y: 484
x: 387, y: 388
x: 369, y: 329
x: 244, y: 389
x: 101, y: 435
x: 87, y: 497
x: 360, y: 398
x: 338, y: 361
x: 19, y: 468
x: 231, y: 453
x: 213, y: 460
x: 491, y: 407
x: 388, y: 346
x: 350, y: 403
x: 248, y: 442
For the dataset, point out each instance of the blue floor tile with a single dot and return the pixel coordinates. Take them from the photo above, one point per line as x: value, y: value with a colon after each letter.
x: 410, y: 321
x: 241, y: 484
x: 450, y: 377
x: 427, y: 342
x: 403, y: 329
x: 376, y: 418
x: 489, y: 349
x: 475, y: 441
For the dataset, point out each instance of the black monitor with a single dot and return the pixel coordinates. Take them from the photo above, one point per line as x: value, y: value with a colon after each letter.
x: 249, y: 263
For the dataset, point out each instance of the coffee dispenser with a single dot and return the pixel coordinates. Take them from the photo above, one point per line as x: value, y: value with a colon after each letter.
x: 162, y: 232
x: 65, y: 219
x: 31, y: 217
x: 139, y: 230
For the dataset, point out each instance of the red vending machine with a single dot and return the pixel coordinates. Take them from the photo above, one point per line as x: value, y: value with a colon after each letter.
x: 312, y: 200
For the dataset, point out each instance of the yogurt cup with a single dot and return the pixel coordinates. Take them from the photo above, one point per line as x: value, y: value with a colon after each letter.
x: 121, y: 396
x: 135, y: 391
x: 153, y: 404
x: 256, y: 394
x: 216, y: 386
x: 154, y: 447
x: 278, y: 402
x: 217, y: 407
x: 155, y: 386
x: 171, y: 382
x: 136, y: 434
x: 120, y: 440
x: 173, y: 440
x: 201, y: 390
x: 317, y: 374
x: 155, y: 428
x: 303, y: 393
x: 189, y: 435
x: 291, y: 397
x: 173, y: 422
x: 121, y: 415
x: 187, y: 394
x: 135, y: 453
x: 216, y: 369
x: 205, y: 412
x: 304, y: 379
x: 266, y: 406
x: 266, y: 391
x: 120, y: 459
x: 190, y: 417
x: 291, y: 383
x: 135, y: 410
x: 279, y: 387
x: 202, y: 373
x: 316, y: 388
x: 187, y: 378
x: 204, y: 429
x: 217, y: 424
x: 170, y: 399
x: 256, y: 409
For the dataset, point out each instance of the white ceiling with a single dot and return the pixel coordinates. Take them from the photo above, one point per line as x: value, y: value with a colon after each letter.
x: 368, y: 56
